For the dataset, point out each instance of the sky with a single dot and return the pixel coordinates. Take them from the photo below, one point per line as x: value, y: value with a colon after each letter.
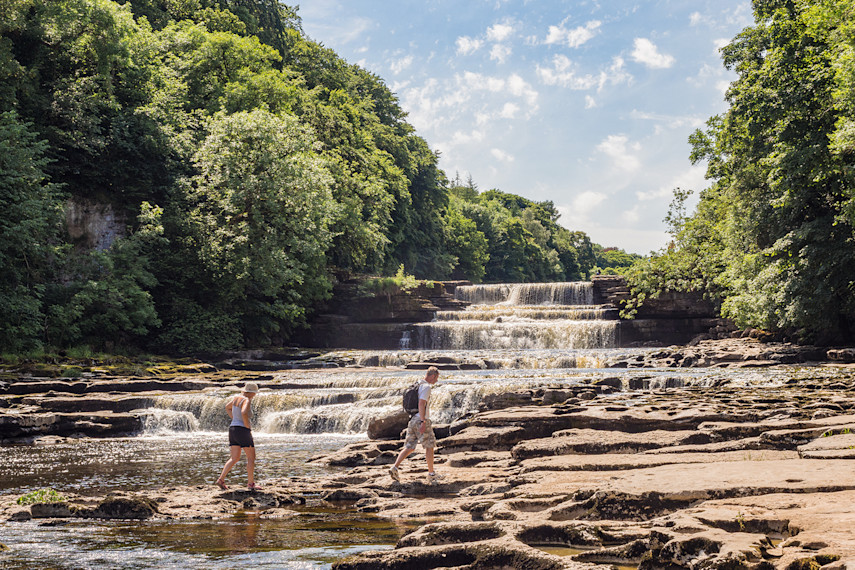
x: 586, y: 103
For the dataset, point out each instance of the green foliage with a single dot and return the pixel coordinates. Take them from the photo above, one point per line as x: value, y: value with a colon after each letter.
x: 467, y: 243
x: 259, y: 216
x: 514, y: 239
x: 772, y: 238
x: 28, y: 234
x: 41, y: 496
x: 401, y: 281
x: 256, y: 162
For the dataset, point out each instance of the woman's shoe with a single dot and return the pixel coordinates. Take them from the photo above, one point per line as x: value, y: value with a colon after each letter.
x: 254, y: 487
x: 222, y: 485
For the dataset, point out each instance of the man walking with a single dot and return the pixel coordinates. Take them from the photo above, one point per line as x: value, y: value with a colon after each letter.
x: 419, y: 429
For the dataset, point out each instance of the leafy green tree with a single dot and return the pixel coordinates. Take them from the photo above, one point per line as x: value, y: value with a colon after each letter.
x: 29, y: 234
x: 771, y: 237
x: 82, y: 68
x: 467, y: 244
x: 107, y: 303
x: 259, y: 215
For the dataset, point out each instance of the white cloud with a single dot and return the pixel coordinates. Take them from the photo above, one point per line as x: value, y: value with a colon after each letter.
x: 631, y: 216
x: 614, y: 75
x: 465, y: 98
x: 670, y: 121
x: 563, y: 73
x: 575, y: 37
x: 509, y: 111
x: 467, y: 45
x: 500, y: 52
x: 519, y: 87
x: 501, y: 155
x: 742, y: 16
x: 460, y: 137
x: 499, y: 32
x: 691, y: 179
x: 696, y: 18
x: 647, y: 53
x: 399, y: 65
x: 590, y: 102
x: 586, y: 202
x: 620, y: 150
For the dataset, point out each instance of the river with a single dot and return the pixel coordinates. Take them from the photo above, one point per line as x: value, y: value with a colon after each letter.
x: 303, y: 414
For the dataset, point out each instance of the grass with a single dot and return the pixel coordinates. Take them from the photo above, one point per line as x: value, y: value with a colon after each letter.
x: 74, y: 362
x: 400, y: 282
x: 41, y: 496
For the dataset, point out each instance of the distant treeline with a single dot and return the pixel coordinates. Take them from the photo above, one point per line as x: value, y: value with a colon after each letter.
x: 772, y: 239
x: 246, y: 166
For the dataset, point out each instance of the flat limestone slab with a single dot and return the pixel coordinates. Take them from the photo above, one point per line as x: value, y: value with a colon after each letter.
x: 623, y: 461
x: 704, y: 480
x: 820, y: 522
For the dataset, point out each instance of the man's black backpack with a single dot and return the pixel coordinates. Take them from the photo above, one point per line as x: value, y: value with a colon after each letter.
x: 411, y: 399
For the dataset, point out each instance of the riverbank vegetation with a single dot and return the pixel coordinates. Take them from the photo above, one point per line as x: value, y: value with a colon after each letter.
x: 195, y: 175
x: 771, y: 240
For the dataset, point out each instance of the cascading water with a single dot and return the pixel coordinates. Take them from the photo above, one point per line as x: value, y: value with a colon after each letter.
x: 343, y: 402
x: 520, y: 316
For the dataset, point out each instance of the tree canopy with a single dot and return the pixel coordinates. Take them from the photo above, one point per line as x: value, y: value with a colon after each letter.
x: 240, y: 168
x: 772, y: 237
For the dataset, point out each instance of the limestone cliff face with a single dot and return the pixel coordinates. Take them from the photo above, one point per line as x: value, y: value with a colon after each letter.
x: 92, y: 224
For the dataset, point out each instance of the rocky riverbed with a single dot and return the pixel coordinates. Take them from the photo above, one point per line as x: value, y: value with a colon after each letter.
x: 721, y: 476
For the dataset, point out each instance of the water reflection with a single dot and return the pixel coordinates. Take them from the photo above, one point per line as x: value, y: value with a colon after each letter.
x: 94, y: 467
x: 242, y: 541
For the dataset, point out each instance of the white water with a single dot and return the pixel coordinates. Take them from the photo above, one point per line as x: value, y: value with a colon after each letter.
x: 342, y: 402
x: 520, y: 316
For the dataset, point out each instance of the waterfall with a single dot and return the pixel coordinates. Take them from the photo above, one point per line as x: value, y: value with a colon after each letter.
x: 567, y: 293
x: 335, y: 402
x: 521, y: 316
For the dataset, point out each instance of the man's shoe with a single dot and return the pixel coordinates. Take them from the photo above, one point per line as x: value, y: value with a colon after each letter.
x: 393, y: 473
x: 434, y: 478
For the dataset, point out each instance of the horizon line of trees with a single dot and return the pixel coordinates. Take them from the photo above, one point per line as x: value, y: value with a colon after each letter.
x: 254, y: 164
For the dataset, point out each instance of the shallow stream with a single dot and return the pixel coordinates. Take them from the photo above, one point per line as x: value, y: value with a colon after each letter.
x: 319, y: 411
x: 512, y: 338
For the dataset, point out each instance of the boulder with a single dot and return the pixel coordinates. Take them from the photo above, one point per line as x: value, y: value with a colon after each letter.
x: 388, y: 426
x: 131, y: 507
x: 53, y: 510
x: 841, y: 354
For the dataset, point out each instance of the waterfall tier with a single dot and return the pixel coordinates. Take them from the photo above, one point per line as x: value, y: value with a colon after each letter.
x: 521, y: 316
x: 569, y: 293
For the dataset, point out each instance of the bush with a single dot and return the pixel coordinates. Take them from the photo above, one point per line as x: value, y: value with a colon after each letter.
x: 41, y: 496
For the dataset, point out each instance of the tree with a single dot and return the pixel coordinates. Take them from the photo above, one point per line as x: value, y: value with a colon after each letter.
x: 259, y: 215
x: 29, y: 232
x: 771, y: 238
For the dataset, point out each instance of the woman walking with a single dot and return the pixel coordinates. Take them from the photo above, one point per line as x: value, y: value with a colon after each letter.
x: 240, y: 435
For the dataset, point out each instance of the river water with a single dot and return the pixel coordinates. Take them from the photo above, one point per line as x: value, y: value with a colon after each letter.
x: 305, y: 413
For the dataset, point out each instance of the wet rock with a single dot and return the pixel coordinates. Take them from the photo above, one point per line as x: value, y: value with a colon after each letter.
x: 349, y: 495
x: 22, y: 515
x: 452, y: 533
x: 493, y: 554
x: 54, y: 510
x: 557, y: 396
x: 96, y: 424
x: 505, y: 400
x: 841, y: 354
x: 131, y: 507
